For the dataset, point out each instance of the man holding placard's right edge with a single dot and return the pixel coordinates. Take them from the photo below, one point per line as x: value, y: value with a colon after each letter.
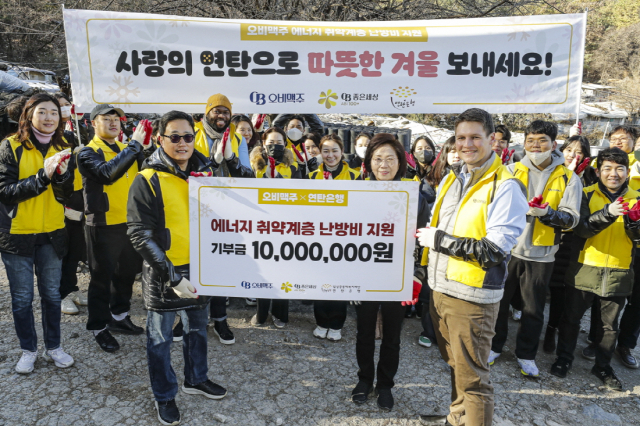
x: 478, y: 215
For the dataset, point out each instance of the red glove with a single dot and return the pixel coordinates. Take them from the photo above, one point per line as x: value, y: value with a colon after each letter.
x: 272, y: 164
x: 63, y: 164
x: 123, y: 118
x: 327, y: 175
x: 121, y: 135
x: 225, y: 139
x: 298, y: 155
x: 201, y: 174
x: 410, y: 159
x: 535, y: 202
x: 583, y: 165
x: 625, y: 205
x: 634, y: 213
x: 259, y: 121
x: 417, y: 286
x: 506, y: 155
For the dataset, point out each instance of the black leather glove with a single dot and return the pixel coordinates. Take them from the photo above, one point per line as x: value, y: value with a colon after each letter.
x: 557, y: 219
x: 484, y: 252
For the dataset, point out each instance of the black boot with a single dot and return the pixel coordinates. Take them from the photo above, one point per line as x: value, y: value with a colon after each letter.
x: 549, y: 345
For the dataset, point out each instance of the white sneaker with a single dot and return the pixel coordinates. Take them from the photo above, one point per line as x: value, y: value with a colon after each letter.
x: 320, y: 332
x: 334, y: 335
x: 493, y: 356
x: 278, y: 323
x: 251, y: 302
x: 254, y: 321
x: 25, y: 365
x: 68, y: 307
x: 79, y: 298
x: 59, y: 357
x: 528, y: 367
x: 517, y: 315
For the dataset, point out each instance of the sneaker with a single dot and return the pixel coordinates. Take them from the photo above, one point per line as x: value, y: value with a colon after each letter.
x: 59, y: 357
x: 168, y: 412
x: 385, y: 399
x: 589, y: 352
x: 251, y: 302
x: 607, y: 376
x: 549, y: 345
x: 626, y: 357
x: 560, y: 367
x: 178, y: 331
x: 68, y: 307
x: 125, y: 326
x: 206, y: 388
x: 79, y: 298
x: 517, y: 315
x: 528, y: 367
x: 424, y: 341
x: 320, y: 332
x: 334, y: 335
x: 224, y: 333
x: 361, y: 392
x: 278, y: 323
x: 25, y: 364
x: 254, y: 321
x: 138, y: 277
x: 493, y: 356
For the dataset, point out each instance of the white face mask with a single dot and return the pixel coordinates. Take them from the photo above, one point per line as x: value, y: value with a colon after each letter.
x: 538, y: 158
x: 65, y: 111
x: 361, y: 151
x: 294, y: 134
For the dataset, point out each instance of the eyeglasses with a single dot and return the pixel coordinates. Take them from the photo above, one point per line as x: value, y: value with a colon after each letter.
x: 188, y: 138
x: 623, y: 140
x: 388, y: 161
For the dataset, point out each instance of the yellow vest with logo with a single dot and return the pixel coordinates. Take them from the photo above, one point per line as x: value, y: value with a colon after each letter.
x: 544, y: 235
x: 471, y: 220
x: 202, y: 145
x: 285, y: 171
x: 174, y: 193
x: 345, y: 174
x: 610, y: 248
x: 117, y: 193
x: 42, y: 213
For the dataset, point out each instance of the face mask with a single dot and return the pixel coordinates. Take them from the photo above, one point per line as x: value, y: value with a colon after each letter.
x: 276, y: 151
x: 65, y: 111
x: 294, y: 134
x: 424, y: 156
x: 538, y: 158
x: 361, y: 151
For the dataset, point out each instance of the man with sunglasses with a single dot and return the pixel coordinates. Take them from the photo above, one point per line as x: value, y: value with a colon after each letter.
x: 158, y: 222
x: 108, y: 168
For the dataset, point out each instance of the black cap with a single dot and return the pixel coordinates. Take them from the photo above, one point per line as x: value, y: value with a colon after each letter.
x: 103, y: 109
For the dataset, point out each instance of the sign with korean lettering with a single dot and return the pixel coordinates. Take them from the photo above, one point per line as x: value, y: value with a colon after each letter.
x: 302, y: 239
x: 155, y: 63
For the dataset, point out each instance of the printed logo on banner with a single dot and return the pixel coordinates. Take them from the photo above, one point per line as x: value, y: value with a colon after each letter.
x: 348, y: 99
x: 248, y: 285
x: 286, y: 287
x: 276, y: 98
x: 303, y: 197
x: 327, y: 99
x: 401, y: 97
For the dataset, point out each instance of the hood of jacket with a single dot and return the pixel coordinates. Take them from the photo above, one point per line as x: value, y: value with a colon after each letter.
x: 161, y: 162
x: 259, y: 158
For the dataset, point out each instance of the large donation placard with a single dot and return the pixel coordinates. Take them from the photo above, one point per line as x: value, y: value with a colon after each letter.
x: 156, y: 63
x: 300, y: 239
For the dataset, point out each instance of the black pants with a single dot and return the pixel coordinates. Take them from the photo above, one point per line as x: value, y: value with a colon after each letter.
x: 113, y: 263
x: 218, y: 308
x: 630, y: 322
x: 576, y: 304
x: 557, y: 305
x: 427, y: 323
x: 330, y: 313
x: 77, y: 252
x: 533, y: 279
x: 279, y: 309
x: 392, y: 316
x: 516, y: 300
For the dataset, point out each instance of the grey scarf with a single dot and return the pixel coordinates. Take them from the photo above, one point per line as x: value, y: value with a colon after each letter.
x: 216, y: 137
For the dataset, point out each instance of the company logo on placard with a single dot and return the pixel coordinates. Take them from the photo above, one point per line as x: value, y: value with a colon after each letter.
x: 401, y: 97
x: 248, y: 285
x: 286, y: 287
x: 327, y: 98
x: 276, y: 98
x: 348, y: 99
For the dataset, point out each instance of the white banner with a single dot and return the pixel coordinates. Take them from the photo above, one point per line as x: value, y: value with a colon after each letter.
x: 155, y: 63
x: 302, y: 239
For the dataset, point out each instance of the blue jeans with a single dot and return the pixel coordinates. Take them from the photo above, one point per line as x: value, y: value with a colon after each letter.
x: 194, y: 347
x: 48, y: 267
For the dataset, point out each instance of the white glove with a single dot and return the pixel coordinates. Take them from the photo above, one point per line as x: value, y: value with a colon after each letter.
x: 537, y: 212
x: 142, y: 134
x: 63, y: 165
x: 427, y: 237
x: 617, y: 208
x: 226, y: 155
x: 185, y: 290
x: 575, y: 130
x: 355, y: 302
x: 51, y: 163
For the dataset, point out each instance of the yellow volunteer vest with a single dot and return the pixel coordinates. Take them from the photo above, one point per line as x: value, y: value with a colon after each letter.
x: 544, y: 235
x: 610, y: 248
x: 472, y: 222
x: 346, y: 173
x: 175, y: 198
x: 39, y: 214
x: 285, y: 171
x: 202, y: 145
x: 295, y: 157
x: 118, y: 191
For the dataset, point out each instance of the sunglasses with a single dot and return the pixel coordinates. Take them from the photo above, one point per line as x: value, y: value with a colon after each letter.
x: 188, y: 138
